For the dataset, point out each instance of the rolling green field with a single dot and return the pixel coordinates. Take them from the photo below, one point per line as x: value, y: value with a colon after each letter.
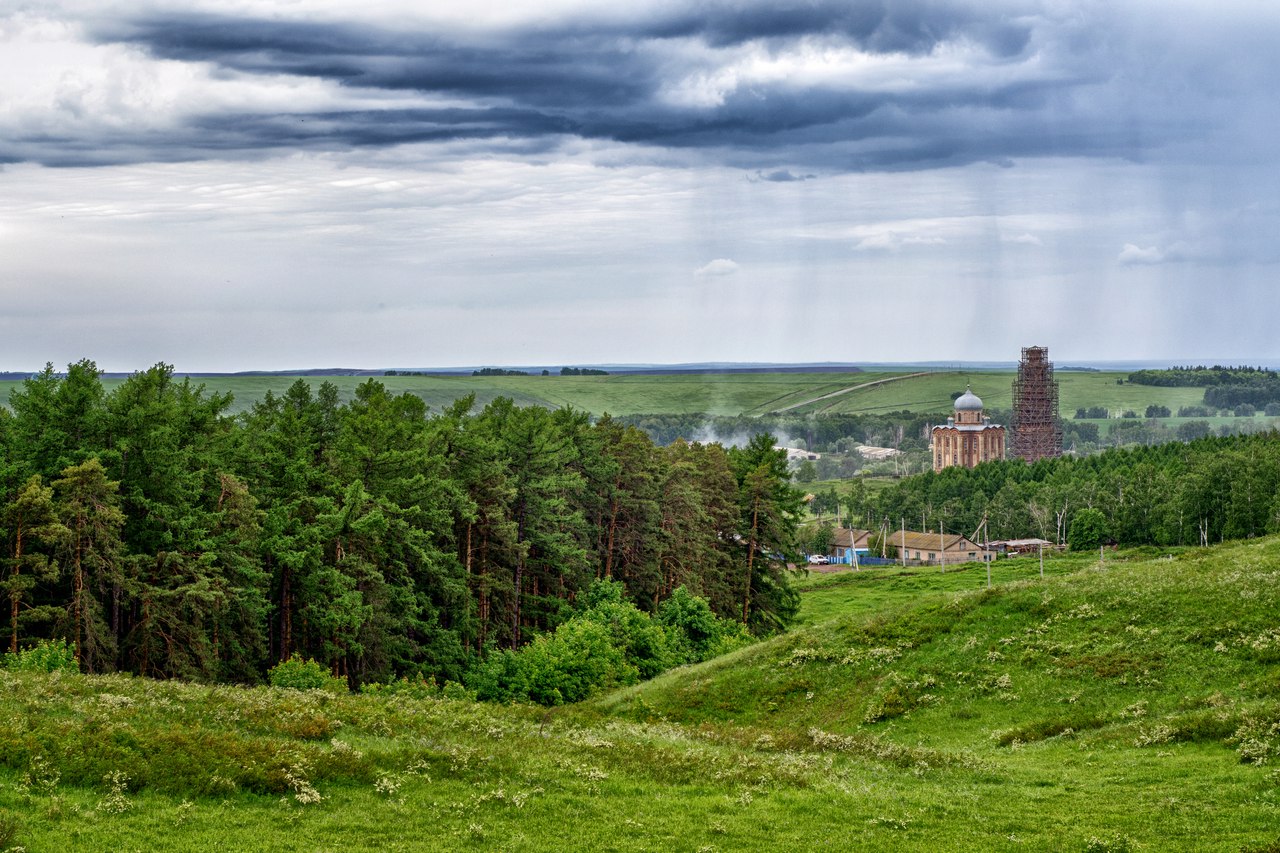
x: 1129, y: 707
x: 723, y: 394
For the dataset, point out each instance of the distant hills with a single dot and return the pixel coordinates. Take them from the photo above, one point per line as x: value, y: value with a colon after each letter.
x: 707, y: 367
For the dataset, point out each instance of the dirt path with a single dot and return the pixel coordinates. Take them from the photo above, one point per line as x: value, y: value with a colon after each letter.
x: 846, y: 391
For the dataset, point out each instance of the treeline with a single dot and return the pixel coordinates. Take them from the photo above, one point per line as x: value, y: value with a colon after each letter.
x: 163, y: 537
x: 1199, y: 376
x: 830, y: 433
x: 904, y: 430
x: 1212, y: 489
x: 1259, y: 391
x: 1225, y: 387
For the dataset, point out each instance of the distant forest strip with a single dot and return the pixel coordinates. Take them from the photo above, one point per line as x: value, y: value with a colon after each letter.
x: 1200, y: 376
x: 158, y: 535
x: 1225, y: 387
x: 827, y: 432
x: 1204, y: 492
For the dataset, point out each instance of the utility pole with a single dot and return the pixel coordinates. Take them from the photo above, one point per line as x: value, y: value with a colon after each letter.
x: 904, y: 542
x: 942, y: 549
x: 986, y: 549
x: 1042, y: 561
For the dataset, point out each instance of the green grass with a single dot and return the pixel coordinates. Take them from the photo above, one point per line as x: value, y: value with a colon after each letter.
x: 720, y: 394
x: 870, y: 591
x: 932, y: 393
x: 1134, y: 706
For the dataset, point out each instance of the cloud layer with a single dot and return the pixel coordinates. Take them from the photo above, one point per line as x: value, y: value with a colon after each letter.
x: 231, y: 184
x: 779, y: 87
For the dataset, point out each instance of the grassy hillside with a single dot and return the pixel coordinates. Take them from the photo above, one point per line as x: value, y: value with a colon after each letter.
x: 1131, y: 707
x: 722, y: 394
x: 1136, y: 700
x: 932, y: 393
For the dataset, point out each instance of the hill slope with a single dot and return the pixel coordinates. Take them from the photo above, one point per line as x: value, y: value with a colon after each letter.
x: 1135, y: 707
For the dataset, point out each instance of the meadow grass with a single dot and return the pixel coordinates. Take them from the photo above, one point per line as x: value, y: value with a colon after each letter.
x: 716, y: 394
x: 933, y: 393
x: 1131, y: 706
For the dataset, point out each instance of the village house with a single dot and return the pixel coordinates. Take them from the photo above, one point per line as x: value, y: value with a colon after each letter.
x: 1011, y: 547
x: 847, y: 541
x: 938, y: 548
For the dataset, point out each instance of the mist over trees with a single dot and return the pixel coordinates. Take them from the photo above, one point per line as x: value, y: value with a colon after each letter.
x: 161, y: 536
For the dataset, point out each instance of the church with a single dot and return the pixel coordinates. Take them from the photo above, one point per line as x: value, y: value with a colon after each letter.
x: 967, y: 438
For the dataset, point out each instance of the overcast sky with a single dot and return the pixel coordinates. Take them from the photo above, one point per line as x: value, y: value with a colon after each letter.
x: 245, y: 184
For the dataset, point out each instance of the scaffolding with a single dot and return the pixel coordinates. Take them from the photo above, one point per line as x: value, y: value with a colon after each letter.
x: 1036, y: 428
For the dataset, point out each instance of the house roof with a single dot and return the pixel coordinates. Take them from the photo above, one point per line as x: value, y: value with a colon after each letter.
x: 850, y: 537
x: 915, y: 541
x: 1019, y: 543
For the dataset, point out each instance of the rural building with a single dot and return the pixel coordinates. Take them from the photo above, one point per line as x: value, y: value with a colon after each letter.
x: 797, y: 454
x: 967, y: 438
x: 877, y: 454
x: 1020, y: 546
x: 846, y: 541
x: 937, y: 547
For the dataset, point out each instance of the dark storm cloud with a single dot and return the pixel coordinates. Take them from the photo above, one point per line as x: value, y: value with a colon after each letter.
x: 1020, y: 84
x: 782, y: 176
x: 882, y: 27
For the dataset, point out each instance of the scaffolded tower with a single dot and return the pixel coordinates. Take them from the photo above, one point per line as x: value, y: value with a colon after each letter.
x: 1037, y: 431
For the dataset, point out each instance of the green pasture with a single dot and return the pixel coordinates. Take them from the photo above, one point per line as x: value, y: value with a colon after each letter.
x: 1130, y: 706
x: 722, y: 394
x: 933, y: 393
x: 868, y: 591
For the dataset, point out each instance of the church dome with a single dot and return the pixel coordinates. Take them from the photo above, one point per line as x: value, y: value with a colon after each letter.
x: 968, y: 402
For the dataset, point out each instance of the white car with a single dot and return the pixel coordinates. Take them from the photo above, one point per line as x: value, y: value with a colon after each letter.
x: 818, y: 560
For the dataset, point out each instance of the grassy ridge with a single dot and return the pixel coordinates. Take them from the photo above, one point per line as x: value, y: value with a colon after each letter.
x: 718, y: 394
x: 1131, y: 707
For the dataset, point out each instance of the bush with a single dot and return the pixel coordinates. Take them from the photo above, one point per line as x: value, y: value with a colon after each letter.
x: 567, y: 666
x: 1191, y: 430
x: 1088, y: 530
x: 10, y: 826
x: 301, y: 673
x: 420, y: 688
x: 45, y: 656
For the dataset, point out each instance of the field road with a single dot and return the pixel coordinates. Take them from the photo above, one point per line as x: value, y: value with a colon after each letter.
x: 847, y: 390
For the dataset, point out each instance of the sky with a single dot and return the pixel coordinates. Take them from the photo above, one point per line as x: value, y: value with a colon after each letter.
x: 229, y: 185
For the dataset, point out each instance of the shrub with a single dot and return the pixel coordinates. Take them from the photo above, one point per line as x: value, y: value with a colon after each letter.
x: 697, y: 633
x: 567, y: 666
x: 45, y: 656
x: 693, y: 623
x: 304, y: 674
x: 1192, y: 430
x: 1088, y: 529
x: 10, y: 826
x: 645, y: 644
